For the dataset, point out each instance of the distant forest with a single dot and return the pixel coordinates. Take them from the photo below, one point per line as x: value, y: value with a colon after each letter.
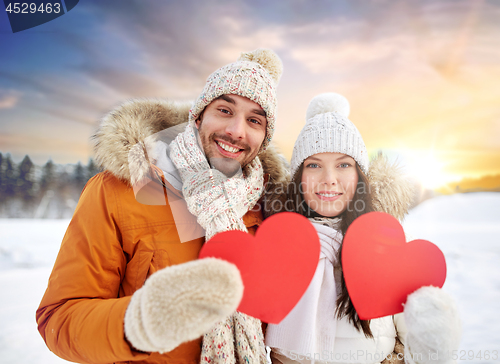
x: 48, y: 191
x: 52, y: 191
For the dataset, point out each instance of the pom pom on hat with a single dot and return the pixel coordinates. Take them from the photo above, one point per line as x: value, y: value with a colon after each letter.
x: 328, y: 102
x: 328, y: 130
x: 267, y: 59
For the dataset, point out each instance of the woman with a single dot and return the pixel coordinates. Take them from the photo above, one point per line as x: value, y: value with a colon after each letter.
x: 330, y: 186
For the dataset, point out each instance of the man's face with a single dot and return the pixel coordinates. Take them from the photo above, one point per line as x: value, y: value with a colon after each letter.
x: 232, y: 129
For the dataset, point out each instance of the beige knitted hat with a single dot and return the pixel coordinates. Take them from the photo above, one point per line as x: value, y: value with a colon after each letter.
x: 255, y: 76
x: 329, y: 130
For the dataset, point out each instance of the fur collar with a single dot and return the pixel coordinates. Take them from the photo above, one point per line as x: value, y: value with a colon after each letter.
x: 126, y: 136
x: 393, y: 192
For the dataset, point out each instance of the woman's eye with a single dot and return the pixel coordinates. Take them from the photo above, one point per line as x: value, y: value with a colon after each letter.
x: 312, y: 165
x: 344, y: 165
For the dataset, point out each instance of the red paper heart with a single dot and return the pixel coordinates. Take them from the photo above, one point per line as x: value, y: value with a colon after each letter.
x: 276, y: 265
x: 381, y: 269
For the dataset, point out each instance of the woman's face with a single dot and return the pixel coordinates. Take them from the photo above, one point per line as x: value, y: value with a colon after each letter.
x: 329, y: 182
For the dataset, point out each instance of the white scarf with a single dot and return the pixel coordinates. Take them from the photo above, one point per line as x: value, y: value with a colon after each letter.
x: 219, y: 203
x: 311, y: 326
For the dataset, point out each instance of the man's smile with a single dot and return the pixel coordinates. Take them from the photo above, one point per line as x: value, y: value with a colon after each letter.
x: 228, y: 149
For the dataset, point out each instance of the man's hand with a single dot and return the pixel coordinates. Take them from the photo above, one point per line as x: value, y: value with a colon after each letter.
x: 181, y: 303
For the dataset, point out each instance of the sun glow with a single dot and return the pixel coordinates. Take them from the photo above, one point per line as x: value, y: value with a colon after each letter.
x: 429, y: 170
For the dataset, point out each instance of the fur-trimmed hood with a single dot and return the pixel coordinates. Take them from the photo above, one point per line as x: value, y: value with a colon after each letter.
x: 124, y: 142
x: 392, y: 191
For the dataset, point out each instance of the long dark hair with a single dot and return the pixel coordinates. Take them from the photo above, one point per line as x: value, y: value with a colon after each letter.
x: 360, y: 204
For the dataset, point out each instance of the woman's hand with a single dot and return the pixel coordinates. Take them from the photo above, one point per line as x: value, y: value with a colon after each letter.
x: 434, y: 327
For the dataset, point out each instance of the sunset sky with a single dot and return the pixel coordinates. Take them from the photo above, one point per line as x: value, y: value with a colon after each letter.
x: 422, y: 77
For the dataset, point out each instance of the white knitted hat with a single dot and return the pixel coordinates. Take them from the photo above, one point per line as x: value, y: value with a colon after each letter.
x: 255, y: 76
x: 329, y: 130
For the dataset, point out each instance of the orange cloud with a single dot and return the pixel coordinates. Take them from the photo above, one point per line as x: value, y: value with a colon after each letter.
x: 8, y: 101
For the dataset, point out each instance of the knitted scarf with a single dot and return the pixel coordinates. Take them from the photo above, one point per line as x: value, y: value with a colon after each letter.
x: 238, y: 339
x: 219, y: 204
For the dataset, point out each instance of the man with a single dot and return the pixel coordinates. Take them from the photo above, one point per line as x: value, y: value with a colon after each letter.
x: 126, y: 285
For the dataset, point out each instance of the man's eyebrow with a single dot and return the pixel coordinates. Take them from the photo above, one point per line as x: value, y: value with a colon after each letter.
x: 260, y: 112
x: 227, y: 99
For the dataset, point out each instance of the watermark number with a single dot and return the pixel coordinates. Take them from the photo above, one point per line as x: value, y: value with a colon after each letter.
x: 31, y: 8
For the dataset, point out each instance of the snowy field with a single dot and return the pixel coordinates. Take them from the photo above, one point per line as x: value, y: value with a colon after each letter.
x: 466, y: 227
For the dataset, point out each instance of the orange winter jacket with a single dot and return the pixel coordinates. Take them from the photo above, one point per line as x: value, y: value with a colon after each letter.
x: 114, y: 242
x: 112, y: 245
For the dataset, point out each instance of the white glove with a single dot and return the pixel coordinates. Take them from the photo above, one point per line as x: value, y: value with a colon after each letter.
x: 434, y: 327
x: 181, y: 303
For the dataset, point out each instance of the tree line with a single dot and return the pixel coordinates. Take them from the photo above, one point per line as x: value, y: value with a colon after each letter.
x: 48, y: 191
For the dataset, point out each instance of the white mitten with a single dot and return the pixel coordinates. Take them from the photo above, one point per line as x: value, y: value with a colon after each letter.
x: 181, y: 303
x: 434, y: 327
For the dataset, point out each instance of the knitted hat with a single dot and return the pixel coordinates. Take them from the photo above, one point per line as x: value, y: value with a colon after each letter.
x: 329, y: 130
x: 255, y: 76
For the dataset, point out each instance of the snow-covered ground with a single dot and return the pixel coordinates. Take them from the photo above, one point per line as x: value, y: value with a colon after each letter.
x: 465, y: 226
x: 28, y: 249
